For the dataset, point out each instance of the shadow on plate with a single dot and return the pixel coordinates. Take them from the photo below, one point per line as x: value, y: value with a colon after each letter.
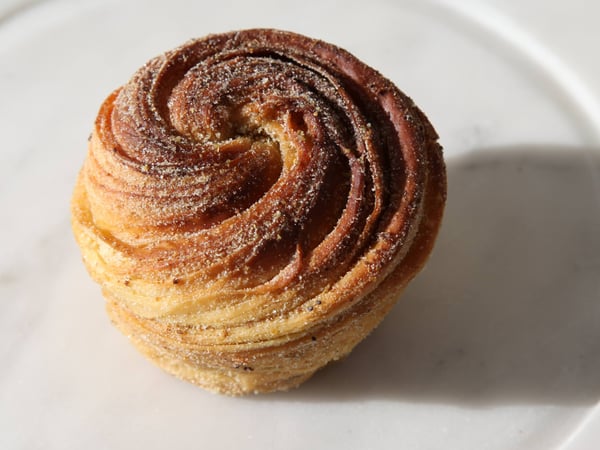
x: 507, y: 310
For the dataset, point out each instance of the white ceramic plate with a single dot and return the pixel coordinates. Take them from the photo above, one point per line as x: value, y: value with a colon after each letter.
x: 496, y: 345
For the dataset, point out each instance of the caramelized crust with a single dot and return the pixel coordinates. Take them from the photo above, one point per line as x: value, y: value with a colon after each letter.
x: 252, y: 204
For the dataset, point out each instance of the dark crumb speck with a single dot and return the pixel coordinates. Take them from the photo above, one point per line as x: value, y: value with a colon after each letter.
x: 176, y: 280
x: 314, y: 338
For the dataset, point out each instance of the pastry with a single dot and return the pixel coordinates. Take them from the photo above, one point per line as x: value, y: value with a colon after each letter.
x: 252, y: 204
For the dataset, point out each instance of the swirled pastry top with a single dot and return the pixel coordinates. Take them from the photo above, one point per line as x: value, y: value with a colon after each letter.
x: 253, y: 175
